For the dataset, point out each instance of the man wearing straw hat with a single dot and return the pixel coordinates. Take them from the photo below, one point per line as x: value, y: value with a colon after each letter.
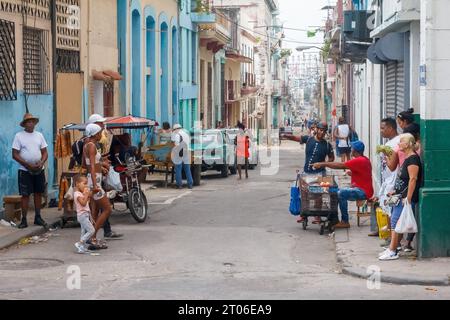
x: 30, y: 151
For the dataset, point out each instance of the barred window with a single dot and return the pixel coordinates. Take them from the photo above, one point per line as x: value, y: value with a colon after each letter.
x: 36, y: 61
x: 8, y: 77
x: 67, y: 61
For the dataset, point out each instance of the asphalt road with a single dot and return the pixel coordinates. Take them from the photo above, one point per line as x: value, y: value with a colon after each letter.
x: 227, y: 239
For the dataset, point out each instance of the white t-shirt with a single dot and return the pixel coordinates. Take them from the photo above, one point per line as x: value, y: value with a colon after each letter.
x: 186, y: 139
x: 343, y: 131
x: 29, y: 146
x: 387, y: 176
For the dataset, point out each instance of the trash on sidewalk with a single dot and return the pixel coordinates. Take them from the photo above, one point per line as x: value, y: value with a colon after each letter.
x: 8, y: 224
x: 431, y: 289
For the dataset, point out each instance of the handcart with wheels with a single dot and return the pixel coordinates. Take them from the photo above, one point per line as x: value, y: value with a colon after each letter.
x: 319, y: 198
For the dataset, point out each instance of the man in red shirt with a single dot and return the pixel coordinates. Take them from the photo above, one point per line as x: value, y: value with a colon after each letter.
x: 362, y: 185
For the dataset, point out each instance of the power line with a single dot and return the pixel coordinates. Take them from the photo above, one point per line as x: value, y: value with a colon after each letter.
x: 268, y: 36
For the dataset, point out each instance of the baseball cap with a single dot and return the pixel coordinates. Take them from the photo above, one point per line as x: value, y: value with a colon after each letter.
x: 358, y: 146
x: 96, y: 118
x: 177, y: 126
x: 92, y: 129
x: 322, y: 125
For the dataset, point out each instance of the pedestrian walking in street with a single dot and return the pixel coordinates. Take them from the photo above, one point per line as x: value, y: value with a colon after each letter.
x: 182, y: 157
x: 362, y: 184
x: 407, y: 187
x: 341, y: 134
x: 102, y: 147
x: 29, y: 149
x: 318, y: 149
x: 242, y: 142
x: 92, y: 162
x: 82, y: 197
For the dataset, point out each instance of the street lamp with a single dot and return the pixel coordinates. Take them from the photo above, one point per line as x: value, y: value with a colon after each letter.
x: 303, y: 48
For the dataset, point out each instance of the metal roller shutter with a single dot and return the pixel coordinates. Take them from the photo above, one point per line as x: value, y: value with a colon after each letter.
x: 395, y: 88
x: 390, y: 89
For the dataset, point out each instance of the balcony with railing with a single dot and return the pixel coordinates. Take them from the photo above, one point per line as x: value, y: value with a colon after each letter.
x: 202, y: 12
x: 216, y: 34
x: 248, y: 84
x: 232, y: 91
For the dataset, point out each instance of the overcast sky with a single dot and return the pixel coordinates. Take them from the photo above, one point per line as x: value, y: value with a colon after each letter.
x: 302, y: 14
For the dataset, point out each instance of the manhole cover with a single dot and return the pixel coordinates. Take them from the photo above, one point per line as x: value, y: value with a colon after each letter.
x: 29, y: 264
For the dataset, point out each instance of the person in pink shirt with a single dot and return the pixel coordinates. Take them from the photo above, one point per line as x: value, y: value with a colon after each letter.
x: 81, y: 198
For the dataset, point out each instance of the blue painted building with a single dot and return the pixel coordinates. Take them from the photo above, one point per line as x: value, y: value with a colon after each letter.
x: 22, y: 85
x: 148, y: 58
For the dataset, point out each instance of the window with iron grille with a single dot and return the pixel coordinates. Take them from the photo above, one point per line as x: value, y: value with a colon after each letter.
x: 8, y: 78
x: 108, y: 98
x: 67, y: 61
x: 36, y: 61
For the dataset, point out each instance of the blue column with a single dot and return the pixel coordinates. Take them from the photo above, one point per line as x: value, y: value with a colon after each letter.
x: 151, y: 63
x: 174, y: 75
x: 164, y: 94
x: 136, y: 62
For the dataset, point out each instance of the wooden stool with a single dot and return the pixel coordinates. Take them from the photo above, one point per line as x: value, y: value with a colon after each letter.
x: 12, y: 205
x: 363, y: 214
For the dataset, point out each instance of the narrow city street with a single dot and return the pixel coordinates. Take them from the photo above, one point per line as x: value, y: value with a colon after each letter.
x: 227, y: 239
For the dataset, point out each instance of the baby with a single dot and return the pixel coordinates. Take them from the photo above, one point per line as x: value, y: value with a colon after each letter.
x: 81, y: 197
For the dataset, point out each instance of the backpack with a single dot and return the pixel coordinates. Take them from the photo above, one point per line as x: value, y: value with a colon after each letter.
x: 77, y: 151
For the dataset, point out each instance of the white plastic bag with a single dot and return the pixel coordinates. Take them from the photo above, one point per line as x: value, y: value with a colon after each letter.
x: 70, y: 193
x: 113, y: 180
x: 407, y: 223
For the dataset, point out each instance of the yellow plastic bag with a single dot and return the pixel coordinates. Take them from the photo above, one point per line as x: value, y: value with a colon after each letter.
x: 383, y: 222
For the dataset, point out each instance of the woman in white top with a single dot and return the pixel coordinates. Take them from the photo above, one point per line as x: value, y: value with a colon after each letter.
x: 93, y: 164
x: 341, y: 134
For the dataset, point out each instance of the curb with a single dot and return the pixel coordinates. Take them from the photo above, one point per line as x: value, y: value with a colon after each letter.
x: 386, y: 277
x: 15, y: 237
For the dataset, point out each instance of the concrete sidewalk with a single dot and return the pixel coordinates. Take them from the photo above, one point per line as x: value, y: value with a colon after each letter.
x: 10, y: 236
x: 357, y: 255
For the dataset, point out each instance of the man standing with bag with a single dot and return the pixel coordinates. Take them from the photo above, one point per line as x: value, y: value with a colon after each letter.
x: 30, y: 151
x: 182, y: 157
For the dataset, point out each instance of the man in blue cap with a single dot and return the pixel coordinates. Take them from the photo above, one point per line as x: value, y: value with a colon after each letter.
x: 362, y: 185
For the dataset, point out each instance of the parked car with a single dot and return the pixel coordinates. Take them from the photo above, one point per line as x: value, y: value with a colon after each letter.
x: 254, y: 156
x: 216, y: 150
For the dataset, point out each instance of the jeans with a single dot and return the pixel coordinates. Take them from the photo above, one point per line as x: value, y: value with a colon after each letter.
x: 87, y: 229
x: 349, y: 194
x: 187, y: 171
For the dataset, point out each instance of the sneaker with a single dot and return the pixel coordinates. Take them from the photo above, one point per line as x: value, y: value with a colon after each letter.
x: 382, y: 253
x: 388, y: 255
x: 342, y: 225
x: 373, y: 234
x: 81, y: 248
x: 113, y: 235
x: 408, y: 249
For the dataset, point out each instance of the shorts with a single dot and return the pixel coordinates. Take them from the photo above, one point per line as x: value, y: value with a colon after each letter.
x: 345, y: 150
x: 242, y: 160
x: 98, y: 179
x: 30, y: 184
x: 397, y: 212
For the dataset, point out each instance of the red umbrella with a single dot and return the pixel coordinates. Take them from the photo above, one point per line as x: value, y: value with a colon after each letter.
x: 129, y: 122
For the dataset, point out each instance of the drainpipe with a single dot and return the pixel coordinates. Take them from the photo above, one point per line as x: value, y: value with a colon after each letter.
x: 55, y: 103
